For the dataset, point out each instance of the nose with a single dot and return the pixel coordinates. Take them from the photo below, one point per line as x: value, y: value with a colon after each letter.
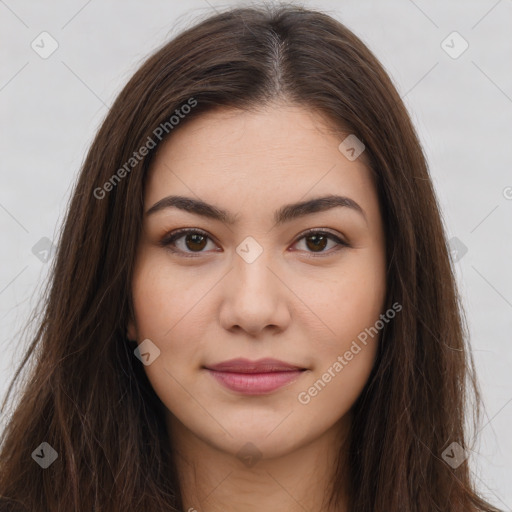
x: 255, y: 298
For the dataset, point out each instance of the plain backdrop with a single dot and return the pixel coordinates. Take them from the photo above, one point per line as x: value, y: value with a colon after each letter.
x: 457, y: 87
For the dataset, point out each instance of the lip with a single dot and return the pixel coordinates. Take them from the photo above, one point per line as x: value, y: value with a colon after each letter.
x: 255, y: 383
x: 266, y: 365
x: 255, y: 377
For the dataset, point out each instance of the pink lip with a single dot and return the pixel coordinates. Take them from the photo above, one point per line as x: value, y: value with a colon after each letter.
x: 265, y: 365
x: 254, y: 377
x: 255, y: 383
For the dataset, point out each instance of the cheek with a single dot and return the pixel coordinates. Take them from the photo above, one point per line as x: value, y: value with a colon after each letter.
x: 165, y: 321
x: 346, y: 352
x: 346, y: 342
x: 163, y: 297
x: 332, y: 391
x: 170, y: 312
x: 346, y: 300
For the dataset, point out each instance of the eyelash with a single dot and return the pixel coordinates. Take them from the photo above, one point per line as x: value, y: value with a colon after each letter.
x: 170, y: 238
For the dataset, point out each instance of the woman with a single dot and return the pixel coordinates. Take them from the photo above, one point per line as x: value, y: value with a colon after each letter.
x: 252, y: 306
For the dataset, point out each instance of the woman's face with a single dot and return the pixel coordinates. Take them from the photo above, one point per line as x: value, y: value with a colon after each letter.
x: 253, y: 284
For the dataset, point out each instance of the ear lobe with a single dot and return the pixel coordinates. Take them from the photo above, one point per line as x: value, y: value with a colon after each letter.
x: 131, y: 331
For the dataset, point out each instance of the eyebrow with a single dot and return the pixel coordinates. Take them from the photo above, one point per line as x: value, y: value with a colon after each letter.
x: 286, y: 213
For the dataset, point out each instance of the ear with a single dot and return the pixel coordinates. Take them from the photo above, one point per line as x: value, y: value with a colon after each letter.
x: 131, y: 330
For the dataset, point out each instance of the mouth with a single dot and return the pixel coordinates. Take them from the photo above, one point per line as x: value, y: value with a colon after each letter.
x: 266, y: 365
x: 255, y: 377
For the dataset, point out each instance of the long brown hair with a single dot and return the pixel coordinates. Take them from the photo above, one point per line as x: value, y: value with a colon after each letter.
x: 86, y: 394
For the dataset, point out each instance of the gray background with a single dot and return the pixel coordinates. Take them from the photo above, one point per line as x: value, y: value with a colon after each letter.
x: 462, y: 108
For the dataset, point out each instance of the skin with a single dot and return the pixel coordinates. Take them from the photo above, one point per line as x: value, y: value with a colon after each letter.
x: 293, y: 303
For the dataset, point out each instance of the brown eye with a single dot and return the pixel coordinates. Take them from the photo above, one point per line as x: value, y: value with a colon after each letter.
x: 316, y: 241
x: 195, y: 241
x: 186, y: 241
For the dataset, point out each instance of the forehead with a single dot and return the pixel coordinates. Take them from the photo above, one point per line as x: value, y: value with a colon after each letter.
x: 283, y: 150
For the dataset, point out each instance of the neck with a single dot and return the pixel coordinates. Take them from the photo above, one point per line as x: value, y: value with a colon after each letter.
x: 214, y: 480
